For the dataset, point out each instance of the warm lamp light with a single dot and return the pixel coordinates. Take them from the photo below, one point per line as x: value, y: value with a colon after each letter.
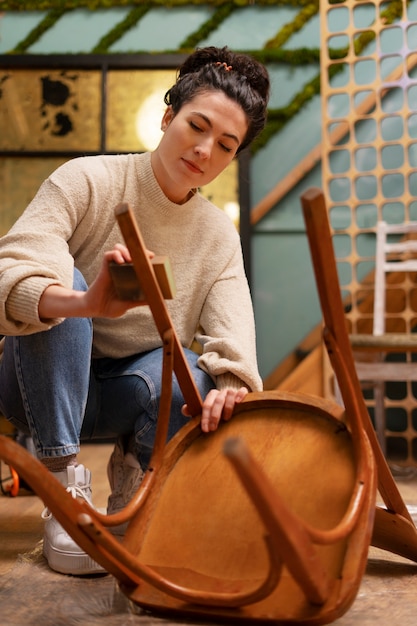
x: 148, y: 120
x: 232, y: 209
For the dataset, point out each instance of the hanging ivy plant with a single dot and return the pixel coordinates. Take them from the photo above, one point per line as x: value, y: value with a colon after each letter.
x: 45, y: 5
x: 44, y: 25
x: 209, y: 26
x: 120, y: 29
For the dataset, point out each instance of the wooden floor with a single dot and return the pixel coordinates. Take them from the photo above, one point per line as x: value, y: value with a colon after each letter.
x: 388, y: 592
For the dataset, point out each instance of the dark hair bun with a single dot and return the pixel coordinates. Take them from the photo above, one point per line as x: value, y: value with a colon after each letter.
x: 255, y: 72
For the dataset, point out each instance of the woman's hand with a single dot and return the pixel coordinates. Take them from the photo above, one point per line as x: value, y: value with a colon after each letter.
x: 100, y: 300
x: 102, y: 295
x: 219, y: 405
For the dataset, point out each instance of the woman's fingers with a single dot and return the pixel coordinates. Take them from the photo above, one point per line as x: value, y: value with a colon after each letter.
x: 219, y: 404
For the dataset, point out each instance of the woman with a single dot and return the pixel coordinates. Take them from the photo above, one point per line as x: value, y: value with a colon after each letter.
x: 78, y: 362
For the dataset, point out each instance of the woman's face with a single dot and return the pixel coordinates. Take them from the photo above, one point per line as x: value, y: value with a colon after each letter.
x: 198, y: 143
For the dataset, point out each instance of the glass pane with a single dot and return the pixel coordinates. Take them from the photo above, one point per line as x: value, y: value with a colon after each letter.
x: 135, y: 105
x: 20, y: 178
x: 50, y: 110
x: 224, y: 192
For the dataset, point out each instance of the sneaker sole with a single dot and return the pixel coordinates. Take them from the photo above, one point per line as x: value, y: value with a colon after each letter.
x: 70, y: 563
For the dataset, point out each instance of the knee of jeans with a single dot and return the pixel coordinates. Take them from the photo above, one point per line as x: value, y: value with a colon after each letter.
x: 79, y: 283
x: 148, y: 394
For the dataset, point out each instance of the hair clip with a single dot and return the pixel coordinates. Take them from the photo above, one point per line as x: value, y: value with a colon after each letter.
x: 226, y: 67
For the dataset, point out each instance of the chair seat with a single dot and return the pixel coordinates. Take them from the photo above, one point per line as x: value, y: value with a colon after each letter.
x: 209, y: 535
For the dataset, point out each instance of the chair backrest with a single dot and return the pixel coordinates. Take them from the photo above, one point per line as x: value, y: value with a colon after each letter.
x: 391, y: 257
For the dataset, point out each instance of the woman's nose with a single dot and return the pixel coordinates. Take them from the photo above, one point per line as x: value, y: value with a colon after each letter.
x: 203, y: 149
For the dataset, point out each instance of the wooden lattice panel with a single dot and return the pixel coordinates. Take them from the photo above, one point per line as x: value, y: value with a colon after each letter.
x: 369, y: 117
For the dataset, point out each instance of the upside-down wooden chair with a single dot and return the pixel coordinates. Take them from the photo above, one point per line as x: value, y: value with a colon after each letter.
x: 268, y: 519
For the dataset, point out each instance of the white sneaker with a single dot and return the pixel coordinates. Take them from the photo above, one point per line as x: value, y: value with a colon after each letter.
x: 125, y: 475
x: 60, y: 550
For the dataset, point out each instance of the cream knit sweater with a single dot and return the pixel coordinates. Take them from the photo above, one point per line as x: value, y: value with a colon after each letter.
x: 71, y: 221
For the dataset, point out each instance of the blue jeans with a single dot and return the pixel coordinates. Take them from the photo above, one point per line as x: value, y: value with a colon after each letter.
x: 53, y: 390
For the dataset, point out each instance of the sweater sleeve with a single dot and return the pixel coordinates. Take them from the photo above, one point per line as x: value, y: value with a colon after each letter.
x: 228, y: 330
x: 34, y: 254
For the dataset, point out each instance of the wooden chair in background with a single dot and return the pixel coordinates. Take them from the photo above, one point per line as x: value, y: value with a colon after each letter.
x: 391, y: 257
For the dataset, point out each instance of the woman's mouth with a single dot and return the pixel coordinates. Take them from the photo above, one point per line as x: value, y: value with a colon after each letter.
x: 192, y: 166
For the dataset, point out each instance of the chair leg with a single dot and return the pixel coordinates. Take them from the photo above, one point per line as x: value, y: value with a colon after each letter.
x: 379, y: 414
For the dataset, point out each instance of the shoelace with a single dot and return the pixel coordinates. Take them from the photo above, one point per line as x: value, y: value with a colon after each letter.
x: 76, y: 491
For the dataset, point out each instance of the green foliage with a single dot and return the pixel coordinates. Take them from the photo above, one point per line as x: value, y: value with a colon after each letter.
x: 45, y: 5
x: 35, y: 34
x: 277, y: 118
x: 209, y: 26
x: 289, y: 29
x: 120, y: 29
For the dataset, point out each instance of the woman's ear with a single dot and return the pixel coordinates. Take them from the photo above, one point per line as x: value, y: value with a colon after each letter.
x: 167, y: 118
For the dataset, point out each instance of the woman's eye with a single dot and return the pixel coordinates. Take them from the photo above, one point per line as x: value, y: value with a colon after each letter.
x: 194, y: 126
x: 225, y: 148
